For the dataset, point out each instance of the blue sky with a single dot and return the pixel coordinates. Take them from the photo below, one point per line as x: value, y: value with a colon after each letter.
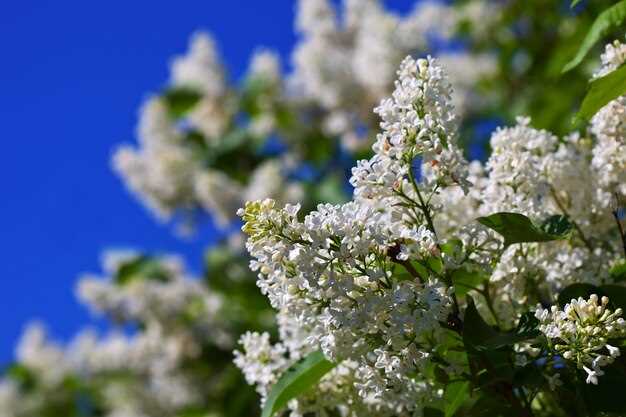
x: 72, y: 76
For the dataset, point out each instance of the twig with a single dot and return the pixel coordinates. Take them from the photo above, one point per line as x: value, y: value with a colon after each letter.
x: 564, y: 210
x: 616, y: 215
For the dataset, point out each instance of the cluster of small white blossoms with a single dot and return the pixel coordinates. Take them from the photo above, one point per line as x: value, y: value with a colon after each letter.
x: 417, y: 121
x: 579, y: 177
x: 167, y: 172
x: 335, y: 272
x: 145, y: 373
x: 339, y: 390
x: 162, y: 300
x: 609, y: 153
x: 534, y: 173
x: 347, y: 65
x: 201, y: 70
x: 141, y: 374
x: 580, y: 333
x: 341, y: 70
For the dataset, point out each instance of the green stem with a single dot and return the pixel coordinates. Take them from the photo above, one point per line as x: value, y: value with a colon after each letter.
x: 489, y: 301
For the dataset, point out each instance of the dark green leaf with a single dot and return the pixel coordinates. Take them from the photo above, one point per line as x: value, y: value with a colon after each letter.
x: 455, y: 395
x: 196, y: 140
x: 141, y: 267
x: 475, y: 330
x: 574, y: 291
x: 608, y: 395
x: 507, y: 339
x: 616, y: 294
x: 527, y: 323
x: 529, y: 376
x: 22, y: 376
x: 180, y: 100
x: 479, y: 336
x: 610, y: 19
x: 432, y: 412
x: 556, y: 225
x: 296, y: 380
x: 441, y: 375
x: 602, y: 91
x: 491, y: 406
x: 618, y: 272
x: 517, y: 228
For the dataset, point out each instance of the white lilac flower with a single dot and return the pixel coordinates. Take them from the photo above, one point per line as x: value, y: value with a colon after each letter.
x: 609, y: 151
x: 200, y: 68
x: 580, y: 332
x: 346, y: 65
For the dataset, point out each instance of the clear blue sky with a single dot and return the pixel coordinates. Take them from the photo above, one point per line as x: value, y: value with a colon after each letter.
x: 72, y: 75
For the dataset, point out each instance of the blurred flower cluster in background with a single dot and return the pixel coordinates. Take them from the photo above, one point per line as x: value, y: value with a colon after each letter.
x: 207, y: 144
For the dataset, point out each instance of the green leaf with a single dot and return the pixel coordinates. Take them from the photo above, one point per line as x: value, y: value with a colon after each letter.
x: 529, y: 376
x: 479, y: 336
x: 574, y: 3
x: 141, y: 267
x: 464, y: 280
x: 22, y: 376
x: 492, y: 406
x: 296, y: 380
x: 602, y: 91
x: 452, y: 247
x: 517, y: 228
x: 455, y: 395
x: 574, y: 291
x: 507, y: 339
x: 441, y: 375
x: 556, y: 225
x: 616, y: 294
x: 618, y: 272
x: 610, y: 19
x: 432, y: 412
x: 608, y: 395
x: 180, y: 100
x: 475, y: 330
x: 527, y: 323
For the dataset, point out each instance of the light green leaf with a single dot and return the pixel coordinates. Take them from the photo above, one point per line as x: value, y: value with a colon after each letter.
x: 517, y: 228
x: 296, y: 380
x: 602, y: 91
x: 574, y: 3
x: 465, y: 280
x: 455, y: 396
x: 609, y: 19
x: 618, y: 272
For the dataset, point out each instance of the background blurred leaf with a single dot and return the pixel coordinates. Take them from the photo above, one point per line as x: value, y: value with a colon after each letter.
x: 180, y: 100
x: 618, y: 272
x: 607, y: 20
x: 141, y: 267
